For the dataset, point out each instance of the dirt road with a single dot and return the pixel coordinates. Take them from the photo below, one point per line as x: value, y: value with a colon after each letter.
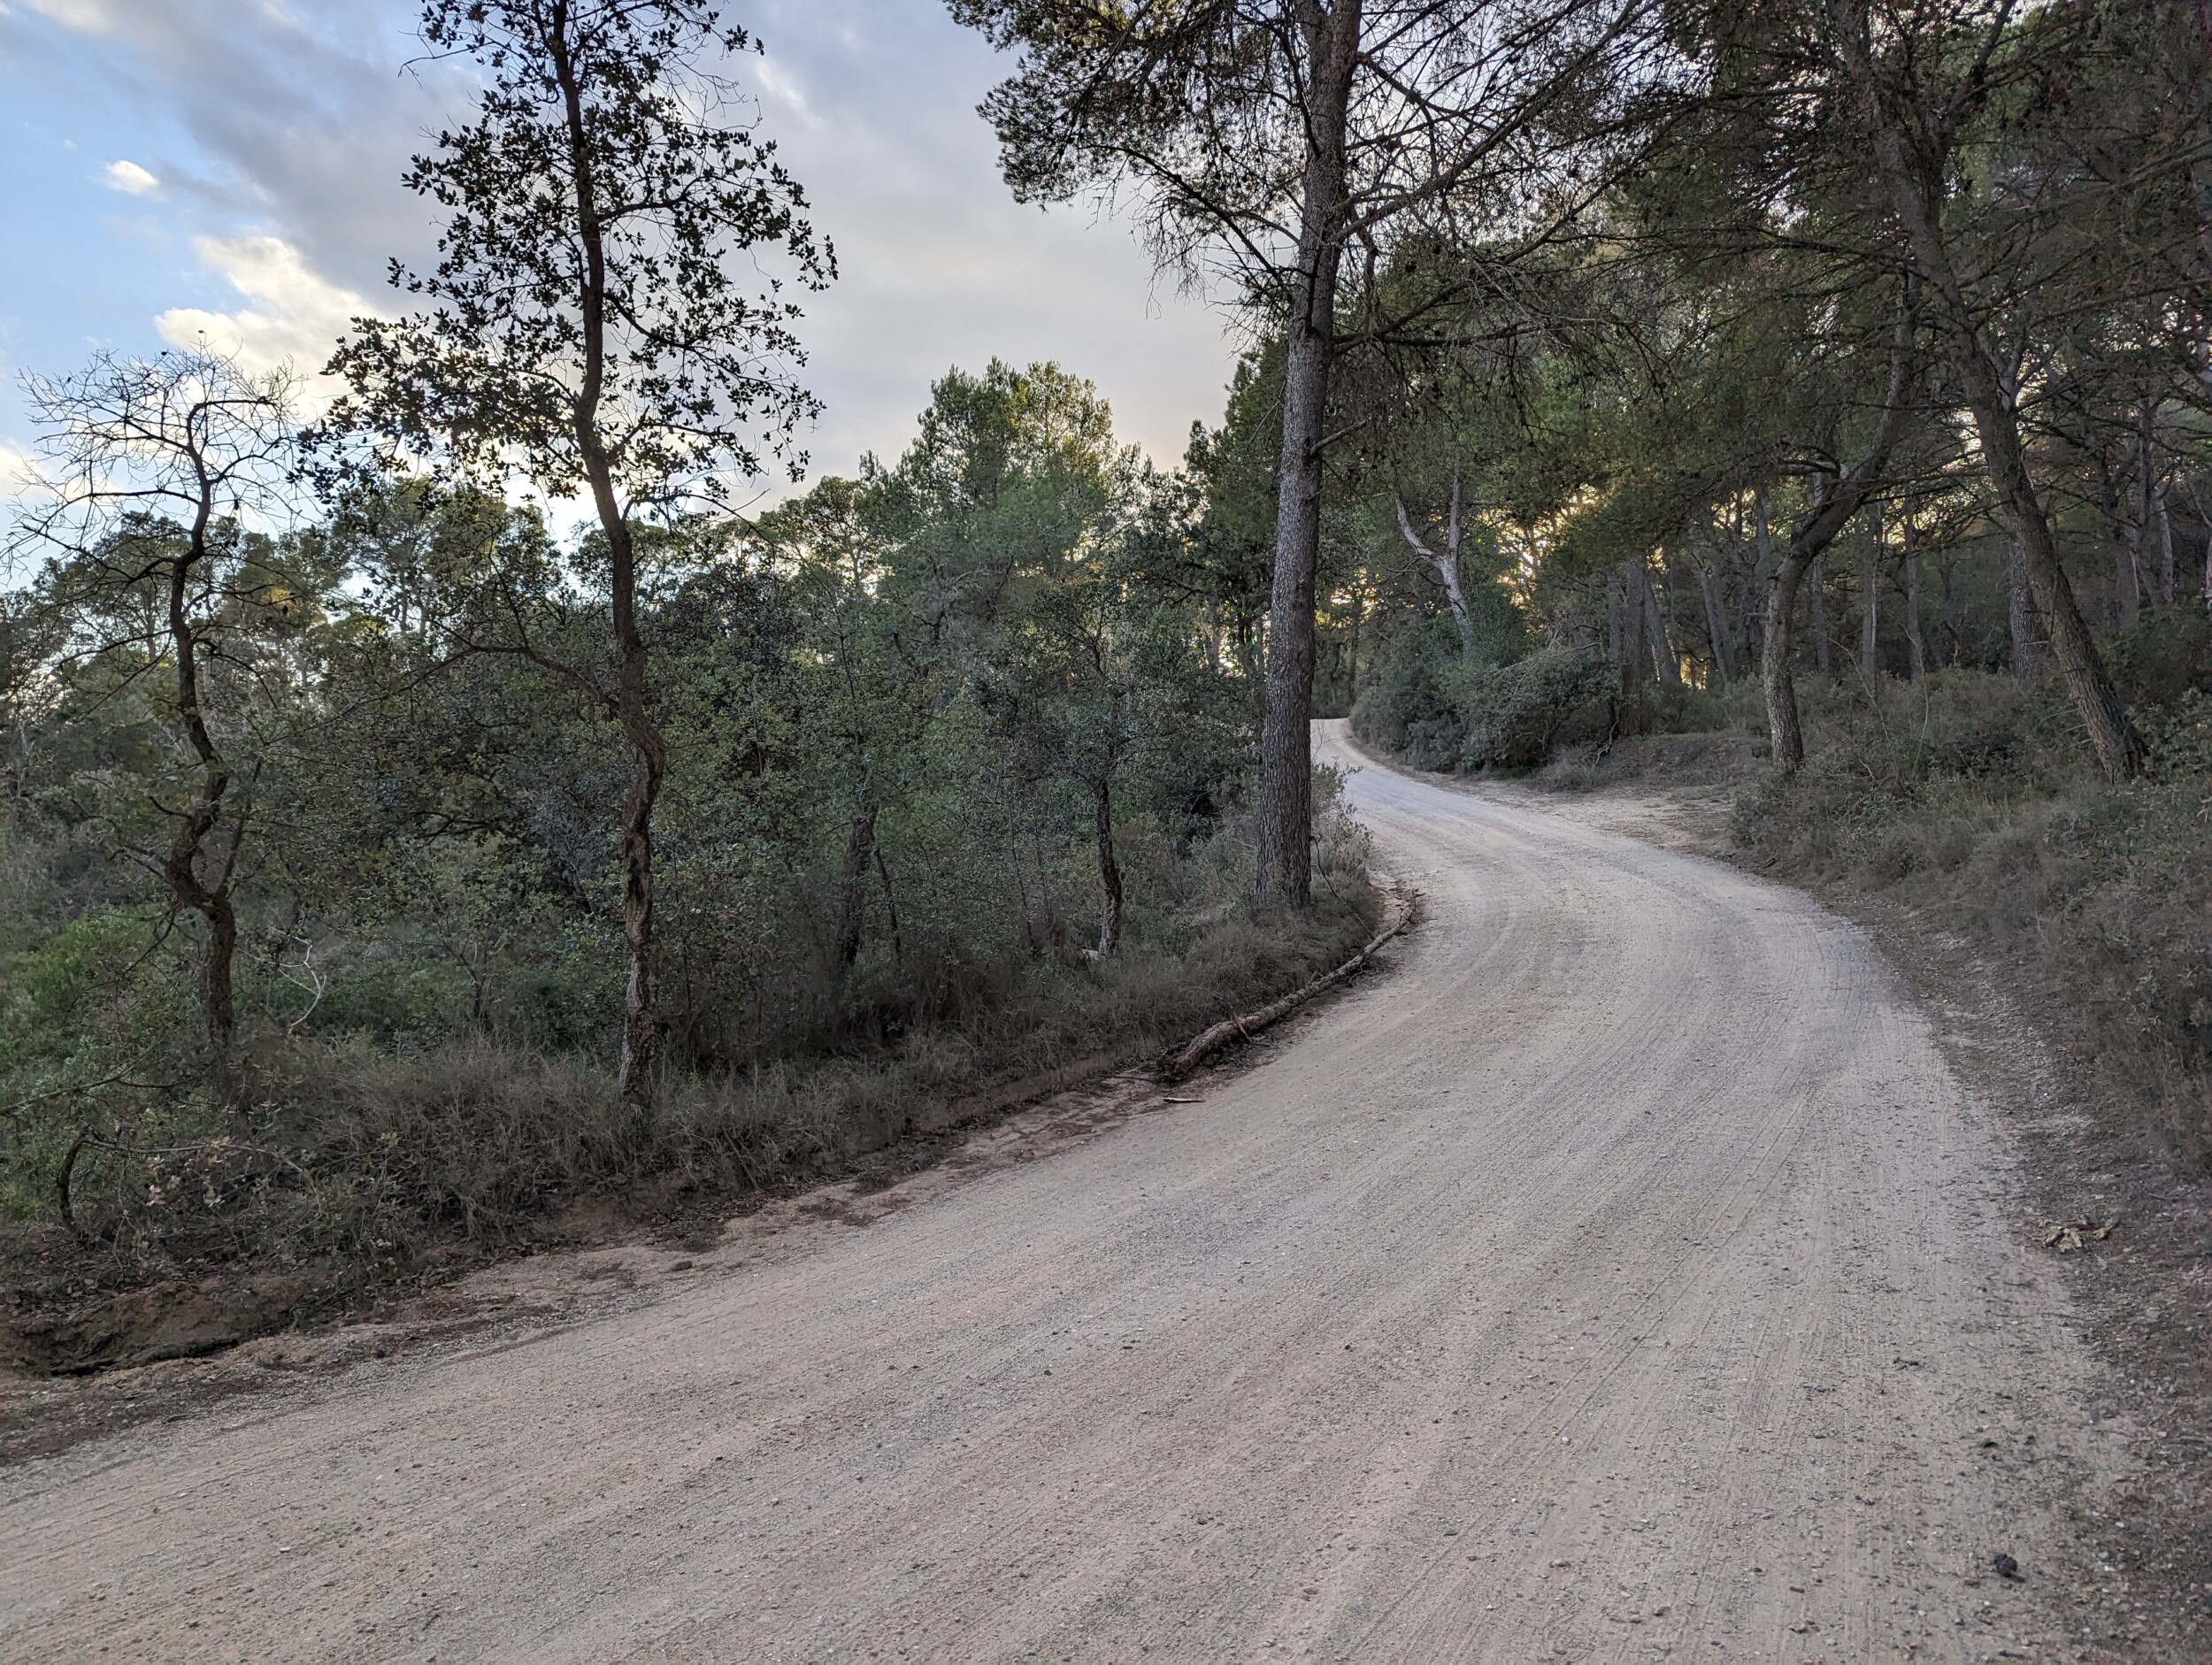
x: 1621, y: 1275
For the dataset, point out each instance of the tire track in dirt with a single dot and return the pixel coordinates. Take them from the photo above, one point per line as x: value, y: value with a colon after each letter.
x: 1623, y: 1276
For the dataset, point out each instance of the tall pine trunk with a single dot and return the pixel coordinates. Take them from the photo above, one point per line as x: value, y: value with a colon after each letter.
x: 1285, y: 808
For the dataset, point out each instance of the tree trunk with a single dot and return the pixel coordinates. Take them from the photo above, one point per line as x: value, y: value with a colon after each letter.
x: 636, y: 1068
x: 636, y: 1063
x: 2027, y: 656
x: 1108, y: 873
x: 1822, y: 660
x: 1445, y: 565
x: 890, y: 903
x: 852, y: 901
x: 1286, y: 809
x: 1915, y: 646
x: 1716, y: 623
x: 1635, y: 663
x: 1359, y: 612
x: 1762, y: 548
x: 1870, y: 610
x: 1662, y: 660
x: 1833, y: 505
x: 2127, y: 580
x: 1784, y: 734
x: 2165, y: 522
x: 2151, y: 503
x: 2119, y: 751
x: 1616, y: 636
x: 208, y: 896
x: 1996, y: 424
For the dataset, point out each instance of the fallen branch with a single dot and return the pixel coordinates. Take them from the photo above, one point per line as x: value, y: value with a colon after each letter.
x: 1228, y: 1029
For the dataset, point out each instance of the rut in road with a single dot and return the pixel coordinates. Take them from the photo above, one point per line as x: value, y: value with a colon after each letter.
x: 1623, y: 1274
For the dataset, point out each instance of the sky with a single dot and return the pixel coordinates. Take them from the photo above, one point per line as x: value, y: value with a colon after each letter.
x: 231, y: 168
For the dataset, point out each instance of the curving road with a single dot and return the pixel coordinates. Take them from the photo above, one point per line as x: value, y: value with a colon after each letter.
x: 1622, y: 1274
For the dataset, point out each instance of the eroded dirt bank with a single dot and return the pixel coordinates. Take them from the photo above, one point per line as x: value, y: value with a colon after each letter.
x: 1626, y: 1276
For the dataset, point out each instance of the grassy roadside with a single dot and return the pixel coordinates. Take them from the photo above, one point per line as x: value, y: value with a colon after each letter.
x: 354, y: 1169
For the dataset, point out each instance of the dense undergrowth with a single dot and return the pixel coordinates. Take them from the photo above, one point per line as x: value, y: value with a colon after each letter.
x: 335, y: 972
x: 362, y: 1154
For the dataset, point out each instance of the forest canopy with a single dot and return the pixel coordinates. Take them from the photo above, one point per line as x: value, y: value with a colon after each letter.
x: 386, y: 857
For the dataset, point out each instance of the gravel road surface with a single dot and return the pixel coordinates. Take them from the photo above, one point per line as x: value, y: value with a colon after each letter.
x: 1620, y: 1274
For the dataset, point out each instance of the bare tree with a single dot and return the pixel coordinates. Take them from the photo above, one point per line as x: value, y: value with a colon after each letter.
x: 1445, y: 562
x: 151, y: 470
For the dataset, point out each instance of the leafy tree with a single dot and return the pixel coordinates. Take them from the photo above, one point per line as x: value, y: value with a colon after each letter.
x: 586, y: 325
x: 1276, y: 137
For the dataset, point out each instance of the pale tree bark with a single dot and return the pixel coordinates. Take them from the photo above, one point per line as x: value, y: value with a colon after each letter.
x: 1916, y: 192
x: 1444, y: 563
x: 1662, y: 660
x: 1716, y: 621
x: 1331, y: 37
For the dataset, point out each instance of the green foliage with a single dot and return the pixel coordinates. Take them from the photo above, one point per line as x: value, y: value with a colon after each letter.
x: 1463, y: 714
x: 614, y: 343
x: 910, y: 719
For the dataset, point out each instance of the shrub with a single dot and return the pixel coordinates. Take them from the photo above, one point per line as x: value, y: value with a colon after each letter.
x: 1467, y: 714
x: 1513, y: 716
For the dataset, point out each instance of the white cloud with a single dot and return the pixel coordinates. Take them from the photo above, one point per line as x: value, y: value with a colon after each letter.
x: 89, y: 17
x: 784, y: 91
x: 19, y: 473
x: 296, y: 318
x: 130, y: 179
